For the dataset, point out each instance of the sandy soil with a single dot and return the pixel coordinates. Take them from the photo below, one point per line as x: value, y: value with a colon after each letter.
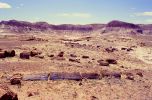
x: 139, y: 57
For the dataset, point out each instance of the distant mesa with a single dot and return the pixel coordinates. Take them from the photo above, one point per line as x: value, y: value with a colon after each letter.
x: 121, y: 24
x: 122, y: 27
x: 14, y: 26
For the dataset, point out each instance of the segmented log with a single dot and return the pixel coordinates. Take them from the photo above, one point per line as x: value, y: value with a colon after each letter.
x: 35, y: 77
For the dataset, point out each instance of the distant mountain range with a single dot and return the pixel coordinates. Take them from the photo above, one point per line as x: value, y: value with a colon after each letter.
x: 27, y: 27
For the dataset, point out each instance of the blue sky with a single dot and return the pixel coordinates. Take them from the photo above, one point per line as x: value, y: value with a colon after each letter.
x: 77, y: 11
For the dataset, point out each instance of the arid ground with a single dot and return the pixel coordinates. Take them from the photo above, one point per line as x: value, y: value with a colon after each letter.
x: 122, y: 62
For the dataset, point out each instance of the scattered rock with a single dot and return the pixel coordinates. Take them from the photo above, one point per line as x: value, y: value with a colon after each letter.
x: 29, y: 94
x: 111, y: 49
x: 72, y: 55
x: 94, y: 98
x: 129, y: 49
x: 25, y: 55
x: 61, y: 54
x: 85, y: 57
x: 40, y: 56
x: 111, y: 61
x: 129, y: 76
x: 103, y: 63
x: 116, y: 75
x: 35, y: 52
x: 51, y: 55
x: 139, y: 74
x: 80, y: 84
x: 74, y: 60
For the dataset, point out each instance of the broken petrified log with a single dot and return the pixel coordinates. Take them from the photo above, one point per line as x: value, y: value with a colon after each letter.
x: 16, y: 79
x: 35, y: 77
x: 25, y: 55
x: 9, y: 53
x: 108, y: 74
x: 67, y: 76
x: 60, y: 76
x: 90, y: 76
x: 2, y: 55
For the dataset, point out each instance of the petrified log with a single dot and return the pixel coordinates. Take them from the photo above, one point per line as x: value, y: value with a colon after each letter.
x: 35, y: 77
x: 67, y: 76
x: 90, y: 76
x: 9, y: 53
x: 108, y: 74
x: 25, y: 55
x: 15, y: 81
x: 2, y: 55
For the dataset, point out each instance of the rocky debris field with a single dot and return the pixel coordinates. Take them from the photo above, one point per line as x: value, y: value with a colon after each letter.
x: 104, y: 66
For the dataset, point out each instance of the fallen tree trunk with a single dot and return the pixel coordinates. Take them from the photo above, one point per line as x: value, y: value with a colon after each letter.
x: 63, y: 76
x: 35, y: 77
x: 68, y: 76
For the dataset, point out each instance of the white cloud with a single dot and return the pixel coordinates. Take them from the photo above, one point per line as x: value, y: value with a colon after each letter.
x: 149, y: 20
x: 4, y: 5
x: 144, y: 14
x: 78, y: 15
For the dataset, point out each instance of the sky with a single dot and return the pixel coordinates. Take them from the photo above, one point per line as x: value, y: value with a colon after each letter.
x: 77, y: 11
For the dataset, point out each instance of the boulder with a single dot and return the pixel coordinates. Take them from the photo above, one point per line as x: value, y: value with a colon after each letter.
x: 25, y: 55
x: 6, y: 94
